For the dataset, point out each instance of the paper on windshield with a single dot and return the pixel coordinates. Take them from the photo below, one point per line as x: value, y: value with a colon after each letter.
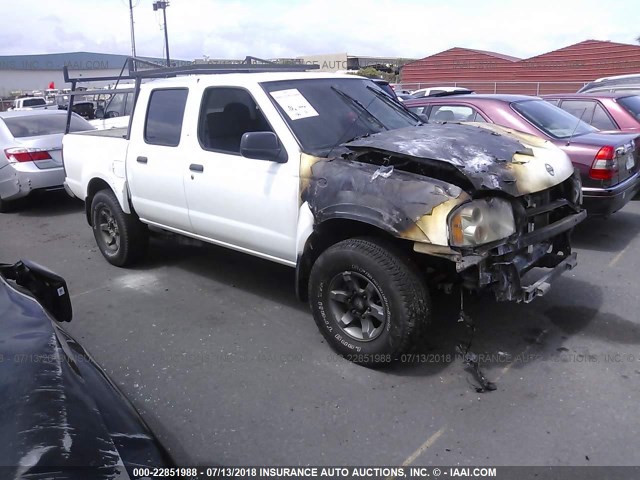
x: 294, y: 104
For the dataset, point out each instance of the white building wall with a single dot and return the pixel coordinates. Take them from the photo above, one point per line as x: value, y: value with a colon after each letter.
x: 28, y: 80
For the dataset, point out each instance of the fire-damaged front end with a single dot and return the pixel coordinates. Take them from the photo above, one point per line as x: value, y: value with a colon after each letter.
x: 487, y: 203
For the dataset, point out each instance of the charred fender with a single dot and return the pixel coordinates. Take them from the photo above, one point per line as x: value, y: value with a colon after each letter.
x: 405, y: 204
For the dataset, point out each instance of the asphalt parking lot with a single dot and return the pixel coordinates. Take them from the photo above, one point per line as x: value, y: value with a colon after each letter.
x: 227, y: 367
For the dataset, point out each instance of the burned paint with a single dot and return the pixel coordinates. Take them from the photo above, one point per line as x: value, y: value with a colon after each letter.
x: 489, y: 158
x: 405, y: 204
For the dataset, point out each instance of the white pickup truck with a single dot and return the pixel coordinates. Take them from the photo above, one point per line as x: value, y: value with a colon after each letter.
x: 30, y: 103
x: 328, y: 175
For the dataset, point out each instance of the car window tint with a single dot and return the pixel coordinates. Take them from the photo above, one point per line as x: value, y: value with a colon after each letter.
x: 164, y: 117
x: 552, y: 120
x: 451, y: 113
x: 38, y: 125
x: 226, y: 114
x: 632, y: 105
x: 477, y: 118
x: 601, y: 119
x: 579, y: 108
x: 32, y: 102
x: 418, y: 110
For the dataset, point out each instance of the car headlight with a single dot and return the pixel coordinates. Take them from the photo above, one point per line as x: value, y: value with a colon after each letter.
x: 481, y: 221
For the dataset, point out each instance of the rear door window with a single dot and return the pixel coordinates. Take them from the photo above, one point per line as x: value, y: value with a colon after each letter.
x: 454, y: 113
x: 601, y: 119
x: 164, y: 116
x: 579, y: 108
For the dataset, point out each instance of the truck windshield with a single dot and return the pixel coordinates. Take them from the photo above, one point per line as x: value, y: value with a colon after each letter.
x: 37, y: 125
x: 552, y: 120
x: 326, y: 112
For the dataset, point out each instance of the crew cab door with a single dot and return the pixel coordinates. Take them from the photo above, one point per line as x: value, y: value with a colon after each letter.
x: 247, y: 204
x: 156, y: 161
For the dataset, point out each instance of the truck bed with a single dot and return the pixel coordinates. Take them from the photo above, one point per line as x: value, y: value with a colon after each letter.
x: 95, y: 154
x: 120, y: 132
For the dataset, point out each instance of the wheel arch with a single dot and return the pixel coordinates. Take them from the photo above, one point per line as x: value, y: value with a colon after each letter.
x: 338, y: 225
x: 97, y: 184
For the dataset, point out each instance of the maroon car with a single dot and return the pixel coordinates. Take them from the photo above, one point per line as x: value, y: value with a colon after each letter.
x: 604, y: 110
x: 608, y: 162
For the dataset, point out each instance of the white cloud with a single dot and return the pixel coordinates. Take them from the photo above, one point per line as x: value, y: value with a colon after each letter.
x: 270, y: 28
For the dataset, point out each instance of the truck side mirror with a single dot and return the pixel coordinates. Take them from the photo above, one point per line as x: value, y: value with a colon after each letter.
x: 262, y: 146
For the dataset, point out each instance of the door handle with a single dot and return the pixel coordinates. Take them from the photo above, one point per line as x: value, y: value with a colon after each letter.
x: 142, y: 159
x: 194, y: 167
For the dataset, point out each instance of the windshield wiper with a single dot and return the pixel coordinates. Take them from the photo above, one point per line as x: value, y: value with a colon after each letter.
x: 359, y: 106
x: 390, y: 101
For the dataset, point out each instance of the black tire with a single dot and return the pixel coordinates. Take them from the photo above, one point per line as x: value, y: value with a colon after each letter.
x: 382, y: 300
x: 121, y: 237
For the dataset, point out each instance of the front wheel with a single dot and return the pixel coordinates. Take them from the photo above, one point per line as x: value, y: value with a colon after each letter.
x: 368, y: 300
x: 121, y: 237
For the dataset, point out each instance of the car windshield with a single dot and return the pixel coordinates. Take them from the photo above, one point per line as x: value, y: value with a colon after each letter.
x: 325, y: 112
x: 552, y: 120
x: 38, y: 125
x: 631, y: 105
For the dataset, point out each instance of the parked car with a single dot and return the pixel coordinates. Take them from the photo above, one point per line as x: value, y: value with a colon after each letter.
x: 82, y: 106
x: 30, y: 103
x: 327, y: 174
x: 62, y: 416
x: 31, y: 152
x: 404, y: 96
x: 608, y: 162
x: 605, y: 111
x: 617, y: 84
x: 434, y: 91
x: 386, y: 88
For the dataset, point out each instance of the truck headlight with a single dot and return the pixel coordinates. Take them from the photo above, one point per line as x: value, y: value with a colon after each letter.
x: 481, y: 221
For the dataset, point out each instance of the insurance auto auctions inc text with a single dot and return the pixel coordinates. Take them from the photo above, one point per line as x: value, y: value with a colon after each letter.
x: 375, y: 472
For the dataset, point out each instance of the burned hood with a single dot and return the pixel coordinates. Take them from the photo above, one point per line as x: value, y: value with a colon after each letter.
x: 488, y: 156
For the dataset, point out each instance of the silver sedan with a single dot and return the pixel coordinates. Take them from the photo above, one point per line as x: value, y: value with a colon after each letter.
x: 31, y: 151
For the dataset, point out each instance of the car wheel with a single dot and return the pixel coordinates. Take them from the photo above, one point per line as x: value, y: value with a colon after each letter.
x: 121, y: 237
x: 368, y: 300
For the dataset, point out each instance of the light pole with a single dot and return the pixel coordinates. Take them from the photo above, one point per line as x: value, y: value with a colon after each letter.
x: 133, y: 35
x: 163, y: 5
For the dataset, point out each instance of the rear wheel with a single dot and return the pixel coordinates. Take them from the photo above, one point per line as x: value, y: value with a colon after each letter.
x: 121, y: 237
x: 368, y: 300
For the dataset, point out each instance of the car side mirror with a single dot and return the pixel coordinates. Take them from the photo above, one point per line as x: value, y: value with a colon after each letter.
x: 100, y: 112
x: 423, y: 117
x: 262, y: 146
x: 49, y: 288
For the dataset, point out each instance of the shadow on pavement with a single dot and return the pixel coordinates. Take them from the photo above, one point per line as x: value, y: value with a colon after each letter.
x: 607, y: 235
x: 47, y: 204
x: 234, y: 269
x: 505, y: 331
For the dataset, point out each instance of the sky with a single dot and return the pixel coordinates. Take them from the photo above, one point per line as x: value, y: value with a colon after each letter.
x: 270, y: 28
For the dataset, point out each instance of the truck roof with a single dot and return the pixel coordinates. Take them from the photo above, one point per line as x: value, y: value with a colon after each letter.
x: 235, y: 79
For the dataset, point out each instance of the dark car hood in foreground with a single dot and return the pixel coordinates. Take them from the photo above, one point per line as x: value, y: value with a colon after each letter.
x: 60, y: 411
x: 488, y: 156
